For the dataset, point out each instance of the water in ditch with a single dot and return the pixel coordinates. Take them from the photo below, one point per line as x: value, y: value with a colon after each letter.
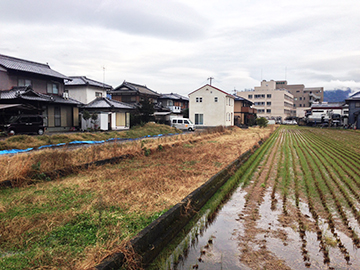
x: 227, y: 242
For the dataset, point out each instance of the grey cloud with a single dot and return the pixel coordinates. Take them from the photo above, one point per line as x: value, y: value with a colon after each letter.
x: 173, y: 21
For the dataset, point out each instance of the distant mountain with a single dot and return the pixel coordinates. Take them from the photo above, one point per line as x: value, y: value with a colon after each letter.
x: 336, y: 95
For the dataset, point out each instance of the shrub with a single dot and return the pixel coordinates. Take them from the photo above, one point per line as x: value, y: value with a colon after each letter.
x: 262, y: 122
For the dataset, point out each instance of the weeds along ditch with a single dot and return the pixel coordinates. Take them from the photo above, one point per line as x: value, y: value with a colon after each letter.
x: 75, y: 221
x: 48, y: 164
x: 294, y: 204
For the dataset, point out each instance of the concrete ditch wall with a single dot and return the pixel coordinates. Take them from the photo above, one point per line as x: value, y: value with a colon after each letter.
x: 150, y: 241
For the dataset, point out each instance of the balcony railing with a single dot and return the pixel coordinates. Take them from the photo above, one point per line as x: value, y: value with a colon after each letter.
x: 175, y: 109
x: 314, y: 97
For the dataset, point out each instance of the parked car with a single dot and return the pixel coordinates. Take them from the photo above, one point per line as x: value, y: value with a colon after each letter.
x: 182, y: 123
x: 25, y: 124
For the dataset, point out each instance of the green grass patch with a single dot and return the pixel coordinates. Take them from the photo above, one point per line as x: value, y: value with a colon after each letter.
x: 60, y: 227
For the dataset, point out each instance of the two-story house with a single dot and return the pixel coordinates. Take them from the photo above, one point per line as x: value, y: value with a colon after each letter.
x: 86, y: 90
x: 244, y: 114
x: 209, y: 107
x: 133, y: 93
x: 170, y: 106
x: 174, y: 102
x: 35, y: 84
x: 111, y: 114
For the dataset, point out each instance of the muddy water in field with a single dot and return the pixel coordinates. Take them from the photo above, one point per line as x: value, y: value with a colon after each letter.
x: 229, y: 242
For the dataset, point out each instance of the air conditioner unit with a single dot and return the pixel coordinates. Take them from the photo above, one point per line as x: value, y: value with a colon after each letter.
x: 66, y: 95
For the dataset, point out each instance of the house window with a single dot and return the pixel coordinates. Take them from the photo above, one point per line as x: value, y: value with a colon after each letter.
x: 268, y: 111
x: 249, y: 96
x: 57, y: 117
x: 216, y: 99
x: 268, y: 103
x: 300, y: 98
x: 199, y: 119
x: 357, y: 104
x: 128, y: 99
x: 53, y: 88
x: 24, y: 82
x: 268, y: 95
x: 98, y: 94
x: 199, y: 99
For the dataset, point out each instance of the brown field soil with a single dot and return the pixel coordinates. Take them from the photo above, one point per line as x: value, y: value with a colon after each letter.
x: 298, y: 207
x: 76, y: 221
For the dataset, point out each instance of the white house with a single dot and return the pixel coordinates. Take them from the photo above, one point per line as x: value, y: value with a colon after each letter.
x: 210, y: 107
x: 111, y: 114
x: 84, y: 89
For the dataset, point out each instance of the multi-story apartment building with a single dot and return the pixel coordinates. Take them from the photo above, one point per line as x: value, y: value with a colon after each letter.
x: 303, y: 97
x: 270, y: 101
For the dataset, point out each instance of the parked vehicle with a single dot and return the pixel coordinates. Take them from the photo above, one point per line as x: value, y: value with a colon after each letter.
x: 182, y: 123
x: 25, y: 124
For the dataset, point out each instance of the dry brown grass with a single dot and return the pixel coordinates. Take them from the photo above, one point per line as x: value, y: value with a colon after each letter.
x: 155, y: 183
x: 142, y: 184
x: 21, y: 166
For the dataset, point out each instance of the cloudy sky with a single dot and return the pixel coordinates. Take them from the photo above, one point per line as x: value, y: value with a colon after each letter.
x: 175, y: 46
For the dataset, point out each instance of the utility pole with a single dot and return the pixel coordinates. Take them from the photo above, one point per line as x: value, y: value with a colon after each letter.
x: 210, y: 78
x: 103, y: 77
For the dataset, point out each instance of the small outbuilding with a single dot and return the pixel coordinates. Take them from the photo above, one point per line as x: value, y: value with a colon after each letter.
x: 107, y: 114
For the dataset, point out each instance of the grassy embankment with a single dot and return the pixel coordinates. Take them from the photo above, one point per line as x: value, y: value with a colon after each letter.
x: 26, y: 141
x: 75, y: 221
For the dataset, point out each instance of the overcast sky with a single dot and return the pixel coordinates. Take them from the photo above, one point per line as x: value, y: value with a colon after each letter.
x: 174, y: 46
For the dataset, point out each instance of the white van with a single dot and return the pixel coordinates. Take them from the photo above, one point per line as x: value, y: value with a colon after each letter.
x: 182, y: 123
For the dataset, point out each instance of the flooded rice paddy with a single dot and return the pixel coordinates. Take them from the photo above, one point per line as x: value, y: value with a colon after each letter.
x: 296, y: 207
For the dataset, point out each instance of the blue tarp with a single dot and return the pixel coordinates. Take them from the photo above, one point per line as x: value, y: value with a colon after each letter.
x: 16, y: 151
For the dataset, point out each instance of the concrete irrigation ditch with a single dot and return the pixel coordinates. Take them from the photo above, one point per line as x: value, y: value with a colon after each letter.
x: 151, y: 240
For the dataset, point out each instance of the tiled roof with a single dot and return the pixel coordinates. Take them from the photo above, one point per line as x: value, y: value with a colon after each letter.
x: 132, y: 87
x: 82, y: 80
x: 27, y: 93
x: 13, y: 63
x: 237, y: 98
x: 173, y: 96
x: 105, y: 103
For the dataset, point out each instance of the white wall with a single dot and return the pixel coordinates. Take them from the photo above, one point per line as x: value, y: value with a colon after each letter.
x: 214, y: 113
x: 85, y: 94
x: 103, y: 117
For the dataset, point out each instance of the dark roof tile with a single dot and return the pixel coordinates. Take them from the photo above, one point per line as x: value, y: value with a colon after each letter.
x: 82, y: 80
x: 13, y: 63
